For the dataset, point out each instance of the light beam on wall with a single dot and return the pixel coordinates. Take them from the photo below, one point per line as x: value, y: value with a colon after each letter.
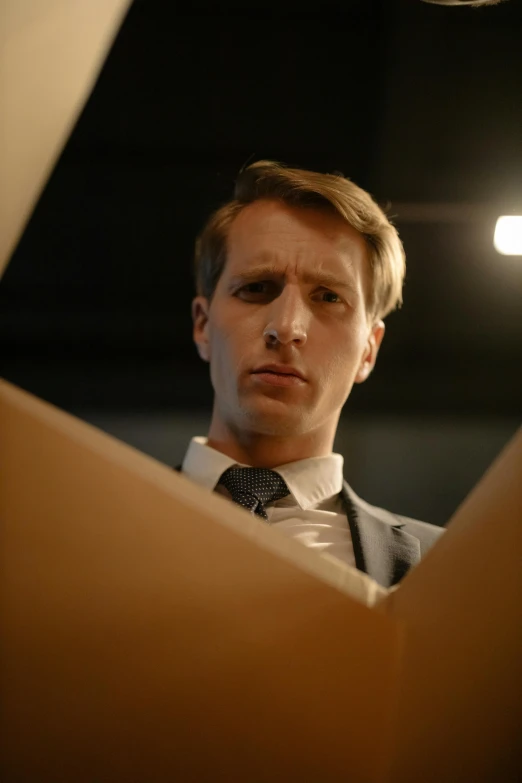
x: 508, y: 235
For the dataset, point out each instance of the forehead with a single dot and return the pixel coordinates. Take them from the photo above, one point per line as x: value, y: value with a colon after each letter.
x: 293, y: 237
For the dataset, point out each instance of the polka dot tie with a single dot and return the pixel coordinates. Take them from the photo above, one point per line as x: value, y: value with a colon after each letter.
x: 253, y: 488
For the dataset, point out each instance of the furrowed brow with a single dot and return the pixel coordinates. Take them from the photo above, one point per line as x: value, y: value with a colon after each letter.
x: 271, y: 271
x: 328, y: 281
x: 257, y: 272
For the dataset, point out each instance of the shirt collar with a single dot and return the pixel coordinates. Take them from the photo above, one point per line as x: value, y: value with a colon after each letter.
x: 310, y: 481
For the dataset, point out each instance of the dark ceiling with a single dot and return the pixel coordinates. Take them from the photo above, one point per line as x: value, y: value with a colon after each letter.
x: 419, y: 104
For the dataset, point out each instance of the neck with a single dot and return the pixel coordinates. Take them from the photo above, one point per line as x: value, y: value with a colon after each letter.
x: 260, y: 450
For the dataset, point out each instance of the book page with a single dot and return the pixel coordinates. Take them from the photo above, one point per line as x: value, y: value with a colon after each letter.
x: 152, y: 630
x: 51, y: 52
x: 460, y: 702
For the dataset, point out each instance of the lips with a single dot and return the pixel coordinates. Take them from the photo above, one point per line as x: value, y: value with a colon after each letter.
x: 279, y: 369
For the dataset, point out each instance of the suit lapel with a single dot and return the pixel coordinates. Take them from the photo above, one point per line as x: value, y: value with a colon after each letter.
x: 382, y: 550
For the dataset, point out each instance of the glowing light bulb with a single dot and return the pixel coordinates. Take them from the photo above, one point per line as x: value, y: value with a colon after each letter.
x: 508, y: 235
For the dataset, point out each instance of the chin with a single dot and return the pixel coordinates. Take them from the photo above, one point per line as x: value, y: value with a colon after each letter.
x: 275, y: 420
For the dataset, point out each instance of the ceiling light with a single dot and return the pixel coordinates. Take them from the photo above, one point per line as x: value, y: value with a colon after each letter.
x: 508, y: 235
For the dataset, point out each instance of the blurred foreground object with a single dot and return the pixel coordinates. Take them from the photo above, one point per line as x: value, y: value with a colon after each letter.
x: 154, y: 631
x: 51, y: 54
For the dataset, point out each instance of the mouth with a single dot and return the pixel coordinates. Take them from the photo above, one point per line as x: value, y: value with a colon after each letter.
x: 276, y: 375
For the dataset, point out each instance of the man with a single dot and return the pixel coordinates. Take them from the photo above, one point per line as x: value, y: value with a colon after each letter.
x: 294, y: 277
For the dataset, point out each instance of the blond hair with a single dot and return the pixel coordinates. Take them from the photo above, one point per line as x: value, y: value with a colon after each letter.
x: 308, y: 189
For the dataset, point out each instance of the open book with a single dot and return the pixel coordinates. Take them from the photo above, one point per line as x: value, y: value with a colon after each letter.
x: 153, y: 631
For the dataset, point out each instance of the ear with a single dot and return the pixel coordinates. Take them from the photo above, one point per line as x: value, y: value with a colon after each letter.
x: 200, y: 310
x: 371, y: 350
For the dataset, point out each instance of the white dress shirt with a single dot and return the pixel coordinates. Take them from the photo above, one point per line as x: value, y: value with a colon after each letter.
x: 312, y: 513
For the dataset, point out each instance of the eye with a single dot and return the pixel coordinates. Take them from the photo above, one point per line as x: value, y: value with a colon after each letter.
x: 257, y: 288
x: 331, y: 294
x: 265, y: 288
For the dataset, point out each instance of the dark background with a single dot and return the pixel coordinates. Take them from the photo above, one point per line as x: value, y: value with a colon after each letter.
x: 419, y: 104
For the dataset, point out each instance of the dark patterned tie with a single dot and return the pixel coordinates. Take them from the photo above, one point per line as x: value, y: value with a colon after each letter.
x: 253, y: 488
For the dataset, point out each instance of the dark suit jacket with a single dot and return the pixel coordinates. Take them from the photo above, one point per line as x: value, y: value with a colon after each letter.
x: 386, y: 545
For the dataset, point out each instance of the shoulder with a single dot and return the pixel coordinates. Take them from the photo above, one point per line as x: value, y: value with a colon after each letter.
x: 425, y: 532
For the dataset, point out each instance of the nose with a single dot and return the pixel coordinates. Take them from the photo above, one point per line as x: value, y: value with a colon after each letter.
x: 288, y: 318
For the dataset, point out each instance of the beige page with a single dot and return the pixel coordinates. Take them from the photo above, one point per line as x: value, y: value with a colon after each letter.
x: 51, y: 52
x: 460, y: 707
x: 153, y: 631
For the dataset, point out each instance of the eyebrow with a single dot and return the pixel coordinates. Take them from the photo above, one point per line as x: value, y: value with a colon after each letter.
x: 269, y: 270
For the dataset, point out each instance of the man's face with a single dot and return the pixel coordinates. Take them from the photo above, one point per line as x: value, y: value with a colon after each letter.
x: 293, y: 292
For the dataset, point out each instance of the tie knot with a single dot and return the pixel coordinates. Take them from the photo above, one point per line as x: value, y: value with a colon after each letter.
x: 254, y: 487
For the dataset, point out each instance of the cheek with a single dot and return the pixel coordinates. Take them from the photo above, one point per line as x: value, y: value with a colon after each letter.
x: 340, y: 372
x: 230, y: 338
x: 235, y: 329
x: 340, y: 355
